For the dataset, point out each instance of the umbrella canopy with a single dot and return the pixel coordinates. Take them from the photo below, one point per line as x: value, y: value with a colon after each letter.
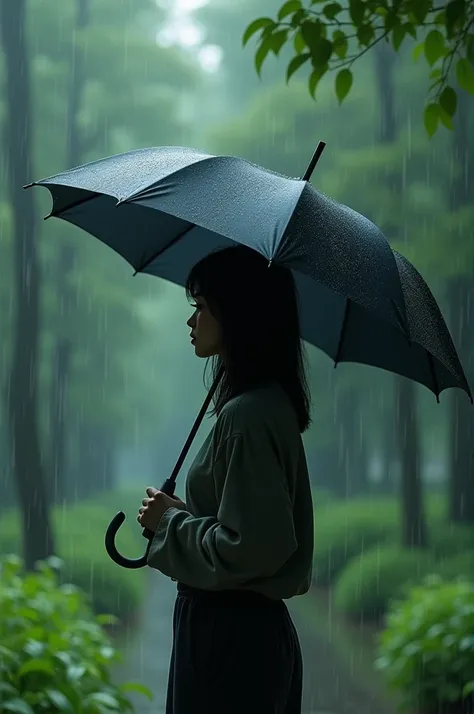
x: 163, y: 209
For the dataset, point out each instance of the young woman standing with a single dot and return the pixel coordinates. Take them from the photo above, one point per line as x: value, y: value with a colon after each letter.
x: 242, y: 543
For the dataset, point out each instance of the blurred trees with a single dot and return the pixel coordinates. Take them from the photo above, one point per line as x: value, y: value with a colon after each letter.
x: 98, y: 87
x: 23, y: 382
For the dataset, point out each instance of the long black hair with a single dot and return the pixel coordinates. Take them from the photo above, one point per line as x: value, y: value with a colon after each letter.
x: 256, y: 306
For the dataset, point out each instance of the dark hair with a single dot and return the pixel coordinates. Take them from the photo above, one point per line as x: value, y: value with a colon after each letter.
x: 257, y: 308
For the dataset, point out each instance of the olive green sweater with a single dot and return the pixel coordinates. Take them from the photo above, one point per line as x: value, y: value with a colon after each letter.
x: 249, y: 518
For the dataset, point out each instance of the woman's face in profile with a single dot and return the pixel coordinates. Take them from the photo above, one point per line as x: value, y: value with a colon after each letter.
x: 205, y: 330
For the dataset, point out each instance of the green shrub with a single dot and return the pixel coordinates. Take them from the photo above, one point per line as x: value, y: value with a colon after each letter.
x: 447, y: 540
x: 80, y: 532
x: 461, y: 566
x: 54, y: 654
x: 347, y: 529
x: 427, y: 648
x: 372, y: 579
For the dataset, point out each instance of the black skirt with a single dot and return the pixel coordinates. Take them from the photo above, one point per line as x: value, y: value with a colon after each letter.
x: 234, y: 652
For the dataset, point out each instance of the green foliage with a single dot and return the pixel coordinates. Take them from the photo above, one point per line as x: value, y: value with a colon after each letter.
x: 331, y: 37
x: 80, y: 534
x: 370, y: 580
x: 54, y: 654
x: 427, y: 648
x: 457, y: 567
x: 447, y: 539
x: 346, y: 530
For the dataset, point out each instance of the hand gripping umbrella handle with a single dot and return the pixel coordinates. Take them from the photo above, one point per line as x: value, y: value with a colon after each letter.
x: 168, y: 488
x: 114, y: 525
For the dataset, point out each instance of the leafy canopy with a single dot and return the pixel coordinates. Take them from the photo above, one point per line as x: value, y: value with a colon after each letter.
x: 331, y: 36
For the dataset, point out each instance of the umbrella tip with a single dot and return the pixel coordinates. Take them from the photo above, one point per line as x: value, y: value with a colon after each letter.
x: 315, y: 158
x: 29, y: 185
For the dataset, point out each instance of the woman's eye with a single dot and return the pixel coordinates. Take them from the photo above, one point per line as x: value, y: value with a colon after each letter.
x: 196, y: 307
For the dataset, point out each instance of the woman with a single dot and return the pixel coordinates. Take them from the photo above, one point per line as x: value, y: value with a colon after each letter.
x: 243, y: 542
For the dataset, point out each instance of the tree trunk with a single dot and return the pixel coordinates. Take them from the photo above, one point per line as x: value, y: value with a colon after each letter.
x: 461, y: 307
x: 26, y: 457
x: 63, y: 349
x: 352, y: 453
x: 96, y: 462
x: 413, y: 519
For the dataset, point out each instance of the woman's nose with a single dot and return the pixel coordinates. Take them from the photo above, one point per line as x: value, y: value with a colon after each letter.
x: 192, y: 320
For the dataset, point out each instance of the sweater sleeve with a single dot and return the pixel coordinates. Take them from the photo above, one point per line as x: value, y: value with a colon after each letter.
x: 253, y: 534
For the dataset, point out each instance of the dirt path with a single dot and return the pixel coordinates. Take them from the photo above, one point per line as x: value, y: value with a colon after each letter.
x: 333, y: 684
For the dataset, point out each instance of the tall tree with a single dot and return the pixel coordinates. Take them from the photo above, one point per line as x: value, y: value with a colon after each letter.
x: 66, y: 261
x: 406, y: 419
x: 461, y: 306
x: 29, y: 477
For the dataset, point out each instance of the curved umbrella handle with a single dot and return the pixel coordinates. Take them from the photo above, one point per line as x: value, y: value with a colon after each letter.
x: 113, y: 527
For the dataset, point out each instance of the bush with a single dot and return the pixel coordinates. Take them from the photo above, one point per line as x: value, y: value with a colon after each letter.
x: 79, y: 532
x: 55, y: 656
x: 461, y: 566
x: 347, y: 529
x: 447, y: 540
x: 427, y: 648
x: 372, y: 579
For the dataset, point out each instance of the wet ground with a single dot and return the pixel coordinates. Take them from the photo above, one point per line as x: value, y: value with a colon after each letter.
x: 332, y: 685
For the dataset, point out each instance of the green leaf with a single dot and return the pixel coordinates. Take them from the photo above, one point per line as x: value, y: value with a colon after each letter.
x: 469, y: 45
x: 420, y: 9
x: 340, y: 44
x: 365, y: 34
x: 431, y: 118
x: 465, y: 75
x: 262, y: 52
x: 298, y: 42
x: 398, y: 35
x: 314, y: 79
x: 18, y: 706
x: 468, y: 689
x: 136, y: 687
x: 278, y: 39
x: 434, y: 47
x: 448, y: 100
x: 59, y: 701
x: 255, y: 26
x: 445, y: 118
x: 288, y: 8
x: 311, y: 32
x: 343, y: 84
x: 321, y: 52
x: 332, y: 10
x: 103, y: 699
x: 105, y: 619
x: 455, y: 15
x: 357, y: 11
x: 418, y: 51
x: 36, y: 665
x: 296, y: 63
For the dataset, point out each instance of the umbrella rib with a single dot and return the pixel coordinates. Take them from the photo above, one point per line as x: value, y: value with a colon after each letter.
x: 433, y: 375
x: 148, y: 262
x: 342, y: 333
x: 73, y: 205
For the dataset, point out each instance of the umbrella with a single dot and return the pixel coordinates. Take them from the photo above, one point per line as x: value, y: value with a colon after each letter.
x: 165, y: 208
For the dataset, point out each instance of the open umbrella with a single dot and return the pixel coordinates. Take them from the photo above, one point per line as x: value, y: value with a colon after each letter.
x: 163, y: 209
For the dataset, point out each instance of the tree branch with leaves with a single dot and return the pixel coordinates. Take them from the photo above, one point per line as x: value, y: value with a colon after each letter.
x: 330, y: 37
